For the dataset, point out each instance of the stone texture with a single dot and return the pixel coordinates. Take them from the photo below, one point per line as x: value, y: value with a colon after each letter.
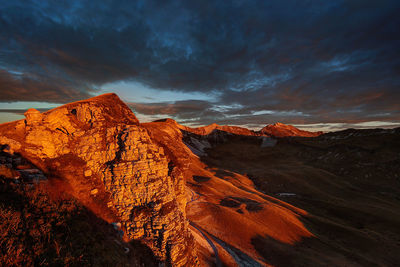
x: 10, y: 144
x: 94, y: 191
x: 32, y: 116
x: 102, y: 141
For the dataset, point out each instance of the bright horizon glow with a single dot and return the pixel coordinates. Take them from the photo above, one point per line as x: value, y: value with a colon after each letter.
x: 130, y: 91
x: 22, y: 106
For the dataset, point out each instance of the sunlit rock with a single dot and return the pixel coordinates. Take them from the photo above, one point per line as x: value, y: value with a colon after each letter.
x: 33, y: 116
x: 115, y: 168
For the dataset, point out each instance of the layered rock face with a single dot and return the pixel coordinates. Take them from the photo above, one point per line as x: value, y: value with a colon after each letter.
x: 114, y: 167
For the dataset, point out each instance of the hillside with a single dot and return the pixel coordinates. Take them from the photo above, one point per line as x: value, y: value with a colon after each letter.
x: 283, y: 130
x: 348, y: 182
x: 112, y: 167
x: 42, y: 225
x: 163, y: 193
x: 209, y: 129
x: 224, y: 209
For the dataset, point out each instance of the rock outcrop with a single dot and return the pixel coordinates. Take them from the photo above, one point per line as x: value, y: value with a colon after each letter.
x: 32, y: 116
x: 113, y: 167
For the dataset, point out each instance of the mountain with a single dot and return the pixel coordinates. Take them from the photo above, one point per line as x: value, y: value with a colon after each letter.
x: 283, y: 130
x: 207, y: 130
x: 347, y: 182
x: 201, y: 138
x: 224, y: 209
x: 88, y: 184
x: 112, y: 167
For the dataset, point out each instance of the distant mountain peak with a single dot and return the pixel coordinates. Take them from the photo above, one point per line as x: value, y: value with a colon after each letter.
x: 279, y: 129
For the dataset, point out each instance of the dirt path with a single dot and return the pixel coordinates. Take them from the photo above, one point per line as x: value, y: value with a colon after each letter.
x: 210, y: 242
x: 242, y: 259
x: 192, y: 197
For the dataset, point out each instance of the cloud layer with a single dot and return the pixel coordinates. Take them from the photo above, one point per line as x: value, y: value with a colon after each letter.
x: 264, y: 61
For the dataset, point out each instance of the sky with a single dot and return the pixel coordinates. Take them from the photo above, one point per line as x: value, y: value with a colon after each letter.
x: 316, y: 64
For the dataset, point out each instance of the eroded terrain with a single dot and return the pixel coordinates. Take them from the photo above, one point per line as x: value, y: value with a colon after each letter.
x: 208, y: 196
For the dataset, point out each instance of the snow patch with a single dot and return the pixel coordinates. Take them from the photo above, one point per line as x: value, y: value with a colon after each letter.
x: 286, y: 194
x: 268, y: 142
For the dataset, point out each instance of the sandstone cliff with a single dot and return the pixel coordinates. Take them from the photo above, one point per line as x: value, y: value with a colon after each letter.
x: 113, y: 167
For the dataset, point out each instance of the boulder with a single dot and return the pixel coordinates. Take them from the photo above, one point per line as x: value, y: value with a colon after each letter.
x: 33, y: 117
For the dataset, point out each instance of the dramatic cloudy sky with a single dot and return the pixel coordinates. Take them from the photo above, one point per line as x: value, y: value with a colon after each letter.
x: 322, y: 64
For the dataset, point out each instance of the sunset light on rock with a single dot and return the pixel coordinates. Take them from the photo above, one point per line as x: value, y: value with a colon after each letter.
x: 199, y: 133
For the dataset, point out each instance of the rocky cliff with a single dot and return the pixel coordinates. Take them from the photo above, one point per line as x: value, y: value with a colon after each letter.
x: 113, y: 167
x: 226, y: 212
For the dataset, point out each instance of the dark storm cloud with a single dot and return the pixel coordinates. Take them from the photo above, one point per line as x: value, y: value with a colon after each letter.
x: 26, y: 87
x: 186, y: 111
x: 177, y: 108
x: 299, y: 61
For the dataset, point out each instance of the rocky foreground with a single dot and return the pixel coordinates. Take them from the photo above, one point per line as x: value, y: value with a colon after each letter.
x: 113, y: 167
